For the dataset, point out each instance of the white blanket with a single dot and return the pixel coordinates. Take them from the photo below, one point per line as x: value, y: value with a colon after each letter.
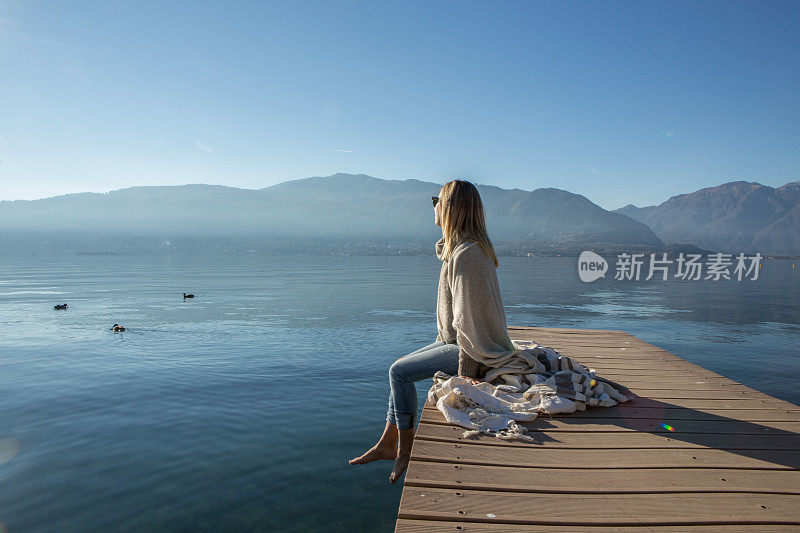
x: 536, y: 380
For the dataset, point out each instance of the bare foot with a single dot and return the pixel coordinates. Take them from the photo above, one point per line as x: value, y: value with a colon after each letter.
x: 400, y: 465
x: 376, y: 452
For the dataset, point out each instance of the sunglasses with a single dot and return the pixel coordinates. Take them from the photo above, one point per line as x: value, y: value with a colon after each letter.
x: 435, y: 200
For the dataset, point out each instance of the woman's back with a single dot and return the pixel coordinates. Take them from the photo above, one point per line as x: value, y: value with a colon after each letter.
x: 469, y: 306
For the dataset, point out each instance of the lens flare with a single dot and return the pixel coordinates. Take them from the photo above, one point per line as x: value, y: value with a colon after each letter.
x: 9, y: 448
x: 667, y: 427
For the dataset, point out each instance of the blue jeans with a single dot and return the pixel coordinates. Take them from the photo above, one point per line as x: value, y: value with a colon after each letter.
x: 416, y: 366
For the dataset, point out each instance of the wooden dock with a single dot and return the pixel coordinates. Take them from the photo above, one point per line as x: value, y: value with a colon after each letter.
x: 692, y: 451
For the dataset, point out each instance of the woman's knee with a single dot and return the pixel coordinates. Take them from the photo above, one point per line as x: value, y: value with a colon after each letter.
x: 396, y: 370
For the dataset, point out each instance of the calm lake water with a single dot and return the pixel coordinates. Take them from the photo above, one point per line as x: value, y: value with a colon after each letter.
x: 239, y: 410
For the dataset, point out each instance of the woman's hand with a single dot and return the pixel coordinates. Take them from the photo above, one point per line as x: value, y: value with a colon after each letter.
x: 471, y: 380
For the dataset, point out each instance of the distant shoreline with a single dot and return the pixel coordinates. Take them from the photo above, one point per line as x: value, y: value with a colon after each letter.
x: 377, y: 252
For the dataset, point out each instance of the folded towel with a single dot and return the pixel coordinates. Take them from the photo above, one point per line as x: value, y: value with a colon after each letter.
x: 537, y: 379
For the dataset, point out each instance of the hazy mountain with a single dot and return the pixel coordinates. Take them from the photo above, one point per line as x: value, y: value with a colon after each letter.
x: 732, y: 217
x: 341, y: 207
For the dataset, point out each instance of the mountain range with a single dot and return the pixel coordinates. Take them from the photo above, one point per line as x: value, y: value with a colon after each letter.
x: 358, y: 213
x: 736, y: 216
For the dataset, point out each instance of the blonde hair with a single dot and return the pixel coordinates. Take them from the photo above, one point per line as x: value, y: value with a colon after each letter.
x: 462, y: 218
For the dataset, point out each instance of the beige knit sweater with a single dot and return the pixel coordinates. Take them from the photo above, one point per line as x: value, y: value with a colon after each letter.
x: 469, y: 310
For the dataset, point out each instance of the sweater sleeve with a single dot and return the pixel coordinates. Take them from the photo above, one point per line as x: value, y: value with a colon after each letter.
x: 467, y: 366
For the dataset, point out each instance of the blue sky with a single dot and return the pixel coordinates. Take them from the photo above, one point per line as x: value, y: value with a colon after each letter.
x: 623, y: 102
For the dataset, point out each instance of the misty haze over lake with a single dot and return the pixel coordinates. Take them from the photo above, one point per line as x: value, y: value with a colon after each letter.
x: 349, y: 213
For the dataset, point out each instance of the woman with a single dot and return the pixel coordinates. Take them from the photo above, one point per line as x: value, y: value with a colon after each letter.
x: 469, y: 316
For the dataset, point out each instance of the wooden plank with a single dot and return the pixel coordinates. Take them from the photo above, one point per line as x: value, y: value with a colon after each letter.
x: 717, y: 386
x: 624, y: 439
x: 616, y: 349
x: 408, y: 525
x: 599, y: 420
x: 550, y: 329
x: 715, y: 403
x: 667, y: 414
x: 695, y: 394
x: 646, y: 367
x: 601, y: 364
x: 625, y: 352
x: 622, y: 348
x: 599, y: 509
x: 599, y: 424
x: 624, y: 360
x: 691, y: 408
x: 632, y: 362
x: 529, y: 457
x: 653, y: 380
x: 603, y: 480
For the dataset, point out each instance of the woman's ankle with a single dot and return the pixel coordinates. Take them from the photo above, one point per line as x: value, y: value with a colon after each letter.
x: 387, y: 443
